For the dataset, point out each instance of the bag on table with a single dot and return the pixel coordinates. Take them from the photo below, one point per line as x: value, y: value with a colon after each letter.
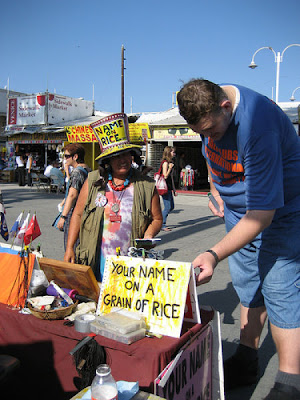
x: 160, y: 182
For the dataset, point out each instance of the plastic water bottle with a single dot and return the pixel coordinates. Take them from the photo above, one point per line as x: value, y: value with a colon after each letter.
x: 104, y: 386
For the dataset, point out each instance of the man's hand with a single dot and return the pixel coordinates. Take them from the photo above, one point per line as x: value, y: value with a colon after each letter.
x: 206, y: 263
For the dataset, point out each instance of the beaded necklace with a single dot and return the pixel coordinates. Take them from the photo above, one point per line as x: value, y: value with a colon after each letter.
x: 119, y: 188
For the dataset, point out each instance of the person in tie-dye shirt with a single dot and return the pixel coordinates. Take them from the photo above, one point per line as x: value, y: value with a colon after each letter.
x: 115, y: 200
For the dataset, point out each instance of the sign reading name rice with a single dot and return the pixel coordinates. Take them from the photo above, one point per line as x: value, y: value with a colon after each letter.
x: 111, y: 131
x: 156, y: 289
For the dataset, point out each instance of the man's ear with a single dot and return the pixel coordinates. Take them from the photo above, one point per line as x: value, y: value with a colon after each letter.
x: 226, y: 104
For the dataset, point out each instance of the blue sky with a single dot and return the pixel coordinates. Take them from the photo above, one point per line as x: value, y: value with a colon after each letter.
x: 70, y: 45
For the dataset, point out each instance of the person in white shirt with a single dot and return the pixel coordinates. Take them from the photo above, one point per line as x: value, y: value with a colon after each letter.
x: 20, y: 169
x: 28, y: 168
x: 48, y: 169
x: 55, y: 171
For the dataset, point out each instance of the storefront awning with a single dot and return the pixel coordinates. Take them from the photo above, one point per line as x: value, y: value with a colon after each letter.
x: 10, y: 131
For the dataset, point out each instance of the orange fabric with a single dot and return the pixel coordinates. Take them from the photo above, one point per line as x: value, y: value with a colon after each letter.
x: 15, y: 280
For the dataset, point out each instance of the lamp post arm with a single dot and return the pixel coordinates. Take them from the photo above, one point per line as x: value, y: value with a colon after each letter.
x: 294, y: 91
x: 278, y: 59
x: 291, y: 45
x: 262, y: 48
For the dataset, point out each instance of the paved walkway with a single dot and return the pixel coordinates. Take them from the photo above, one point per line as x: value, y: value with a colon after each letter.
x: 194, y: 231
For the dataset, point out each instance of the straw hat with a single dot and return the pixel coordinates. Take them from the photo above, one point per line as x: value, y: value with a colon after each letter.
x: 113, y: 136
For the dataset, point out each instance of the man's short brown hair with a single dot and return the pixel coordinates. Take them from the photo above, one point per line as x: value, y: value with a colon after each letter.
x: 198, y: 98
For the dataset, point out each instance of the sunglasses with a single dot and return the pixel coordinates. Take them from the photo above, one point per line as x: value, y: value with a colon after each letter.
x: 68, y: 156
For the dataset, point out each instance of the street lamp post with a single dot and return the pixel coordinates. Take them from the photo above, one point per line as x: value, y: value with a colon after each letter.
x: 294, y: 91
x: 278, y: 59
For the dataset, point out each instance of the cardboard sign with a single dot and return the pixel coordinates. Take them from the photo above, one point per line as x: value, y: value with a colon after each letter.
x: 71, y: 276
x: 189, y: 375
x: 156, y: 289
x: 111, y: 131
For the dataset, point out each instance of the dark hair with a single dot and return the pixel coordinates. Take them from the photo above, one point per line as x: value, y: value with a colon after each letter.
x: 103, y: 172
x: 75, y: 148
x: 198, y: 98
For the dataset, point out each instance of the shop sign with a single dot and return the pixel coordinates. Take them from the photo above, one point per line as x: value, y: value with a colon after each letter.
x: 53, y: 141
x: 26, y: 110
x: 175, y: 133
x: 46, y: 108
x: 139, y: 132
x: 62, y: 108
x: 80, y: 134
x: 84, y: 133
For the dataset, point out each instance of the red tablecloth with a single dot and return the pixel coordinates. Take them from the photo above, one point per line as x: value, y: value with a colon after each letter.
x: 47, y: 369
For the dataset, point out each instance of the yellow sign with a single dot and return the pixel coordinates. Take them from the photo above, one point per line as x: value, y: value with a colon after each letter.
x: 178, y: 133
x: 84, y: 133
x: 111, y: 131
x: 139, y: 132
x: 80, y: 134
x: 156, y: 289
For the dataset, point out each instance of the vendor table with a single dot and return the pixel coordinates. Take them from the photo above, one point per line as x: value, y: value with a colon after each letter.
x: 47, y: 369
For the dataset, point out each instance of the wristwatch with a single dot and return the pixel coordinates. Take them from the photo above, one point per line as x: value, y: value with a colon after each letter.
x: 63, y: 217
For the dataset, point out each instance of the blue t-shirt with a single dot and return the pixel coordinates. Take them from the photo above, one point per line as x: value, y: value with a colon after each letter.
x: 256, y: 164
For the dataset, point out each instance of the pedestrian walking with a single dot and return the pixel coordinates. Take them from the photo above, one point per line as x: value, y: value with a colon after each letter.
x: 29, y: 168
x: 168, y: 173
x: 74, y: 156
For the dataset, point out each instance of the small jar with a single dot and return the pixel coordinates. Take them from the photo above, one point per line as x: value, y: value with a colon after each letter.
x: 104, y: 386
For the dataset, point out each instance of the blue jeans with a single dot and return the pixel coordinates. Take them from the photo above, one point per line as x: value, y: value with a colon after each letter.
x: 168, y: 206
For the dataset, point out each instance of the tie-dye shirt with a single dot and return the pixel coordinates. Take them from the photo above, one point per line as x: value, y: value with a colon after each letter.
x: 116, y: 234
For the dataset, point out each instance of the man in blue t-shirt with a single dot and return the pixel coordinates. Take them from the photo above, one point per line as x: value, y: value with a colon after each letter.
x: 253, y: 158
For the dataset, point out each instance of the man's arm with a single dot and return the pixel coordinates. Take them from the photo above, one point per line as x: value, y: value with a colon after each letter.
x: 216, y: 195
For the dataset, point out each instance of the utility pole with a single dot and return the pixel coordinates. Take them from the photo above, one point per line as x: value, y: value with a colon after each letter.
x: 122, y: 78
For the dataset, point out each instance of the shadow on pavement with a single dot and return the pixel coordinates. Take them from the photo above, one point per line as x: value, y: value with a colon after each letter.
x: 190, y: 227
x: 225, y: 301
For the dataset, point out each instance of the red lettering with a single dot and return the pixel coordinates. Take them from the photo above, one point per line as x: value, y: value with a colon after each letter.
x: 71, y: 137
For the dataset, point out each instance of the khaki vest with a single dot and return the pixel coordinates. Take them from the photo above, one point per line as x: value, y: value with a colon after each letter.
x: 87, y: 252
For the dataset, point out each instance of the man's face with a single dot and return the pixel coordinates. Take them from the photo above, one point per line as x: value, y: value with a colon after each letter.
x: 214, y: 125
